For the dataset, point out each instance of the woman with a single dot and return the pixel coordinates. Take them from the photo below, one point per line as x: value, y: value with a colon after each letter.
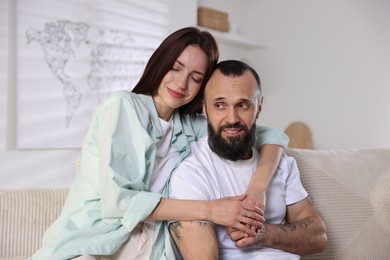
x: 117, y: 203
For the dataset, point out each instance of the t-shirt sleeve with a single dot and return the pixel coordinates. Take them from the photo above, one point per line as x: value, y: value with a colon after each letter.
x: 187, y: 183
x: 295, y: 191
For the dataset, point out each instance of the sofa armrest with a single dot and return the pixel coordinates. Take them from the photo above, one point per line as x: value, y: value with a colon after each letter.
x: 351, y: 190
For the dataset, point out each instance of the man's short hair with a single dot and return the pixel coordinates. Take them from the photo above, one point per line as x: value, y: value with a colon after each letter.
x: 237, y: 68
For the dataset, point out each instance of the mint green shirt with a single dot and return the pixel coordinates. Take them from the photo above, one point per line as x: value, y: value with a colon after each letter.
x: 109, y: 196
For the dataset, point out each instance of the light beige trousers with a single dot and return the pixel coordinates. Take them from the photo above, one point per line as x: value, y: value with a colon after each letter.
x: 137, y: 247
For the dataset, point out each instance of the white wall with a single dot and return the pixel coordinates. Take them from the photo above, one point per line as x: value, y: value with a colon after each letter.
x: 327, y: 63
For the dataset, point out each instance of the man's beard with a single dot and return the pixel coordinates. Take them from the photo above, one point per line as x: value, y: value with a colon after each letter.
x: 232, y: 148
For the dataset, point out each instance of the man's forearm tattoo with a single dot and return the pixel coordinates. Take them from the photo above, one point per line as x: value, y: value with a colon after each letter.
x: 294, y: 226
x: 203, y: 224
x: 174, y: 228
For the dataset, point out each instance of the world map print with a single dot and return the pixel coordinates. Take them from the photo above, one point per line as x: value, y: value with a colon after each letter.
x: 115, y: 60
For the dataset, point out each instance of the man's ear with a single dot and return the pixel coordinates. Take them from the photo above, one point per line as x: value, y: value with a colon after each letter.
x: 259, y: 107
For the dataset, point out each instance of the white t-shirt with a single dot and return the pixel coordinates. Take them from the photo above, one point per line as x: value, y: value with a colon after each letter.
x: 166, y: 158
x: 205, y: 176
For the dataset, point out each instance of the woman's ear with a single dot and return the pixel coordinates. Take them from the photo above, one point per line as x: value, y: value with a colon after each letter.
x: 204, y: 113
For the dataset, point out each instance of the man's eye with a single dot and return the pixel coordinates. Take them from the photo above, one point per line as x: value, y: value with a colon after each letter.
x: 244, y: 105
x: 219, y: 105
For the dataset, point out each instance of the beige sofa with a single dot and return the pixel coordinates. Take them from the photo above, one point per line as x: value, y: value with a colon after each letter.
x: 350, y: 188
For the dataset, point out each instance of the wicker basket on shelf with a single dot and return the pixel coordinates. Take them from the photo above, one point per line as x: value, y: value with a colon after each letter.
x: 213, y: 19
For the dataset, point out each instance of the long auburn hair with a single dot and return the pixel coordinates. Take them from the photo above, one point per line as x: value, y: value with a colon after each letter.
x: 164, y: 57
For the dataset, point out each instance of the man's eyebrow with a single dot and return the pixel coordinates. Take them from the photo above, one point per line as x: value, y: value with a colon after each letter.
x: 218, y: 99
x: 240, y: 100
x: 245, y: 100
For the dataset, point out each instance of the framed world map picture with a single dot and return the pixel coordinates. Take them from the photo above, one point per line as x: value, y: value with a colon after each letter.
x: 71, y: 55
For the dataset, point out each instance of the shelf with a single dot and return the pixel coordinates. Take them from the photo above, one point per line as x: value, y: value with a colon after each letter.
x: 235, y: 40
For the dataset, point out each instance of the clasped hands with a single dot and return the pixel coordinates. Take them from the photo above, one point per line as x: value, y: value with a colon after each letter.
x: 242, y: 238
x: 241, y: 214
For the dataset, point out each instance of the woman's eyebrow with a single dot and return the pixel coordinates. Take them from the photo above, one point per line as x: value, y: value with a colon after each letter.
x: 183, y: 65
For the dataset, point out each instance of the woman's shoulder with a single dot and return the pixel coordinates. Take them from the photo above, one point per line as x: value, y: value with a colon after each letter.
x: 194, y: 124
x: 129, y: 96
x: 193, y: 118
x: 128, y: 99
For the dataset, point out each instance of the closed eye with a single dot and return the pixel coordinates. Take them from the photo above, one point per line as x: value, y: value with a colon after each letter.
x: 197, y: 79
x: 175, y: 68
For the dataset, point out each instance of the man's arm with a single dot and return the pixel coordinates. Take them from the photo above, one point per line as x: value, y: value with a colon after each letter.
x: 195, y: 239
x: 304, y: 232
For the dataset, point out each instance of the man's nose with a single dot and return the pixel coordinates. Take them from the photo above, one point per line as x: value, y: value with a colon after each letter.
x: 232, y: 116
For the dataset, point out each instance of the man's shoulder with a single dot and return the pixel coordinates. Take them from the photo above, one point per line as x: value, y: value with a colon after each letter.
x: 199, y: 150
x: 197, y: 161
x: 287, y: 164
x: 191, y: 177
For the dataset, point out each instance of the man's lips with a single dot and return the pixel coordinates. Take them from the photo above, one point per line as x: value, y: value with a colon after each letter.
x: 175, y: 94
x: 232, y: 131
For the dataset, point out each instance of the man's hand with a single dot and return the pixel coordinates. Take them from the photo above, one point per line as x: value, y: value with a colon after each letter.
x: 242, y: 239
x: 303, y: 233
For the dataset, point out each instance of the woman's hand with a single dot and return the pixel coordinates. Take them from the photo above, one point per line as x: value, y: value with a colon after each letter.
x: 256, y: 197
x: 235, y: 212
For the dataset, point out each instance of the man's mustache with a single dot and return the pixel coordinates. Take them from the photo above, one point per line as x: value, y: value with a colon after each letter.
x: 233, y: 126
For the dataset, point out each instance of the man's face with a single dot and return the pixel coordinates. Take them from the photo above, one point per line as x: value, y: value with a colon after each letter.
x: 232, y: 105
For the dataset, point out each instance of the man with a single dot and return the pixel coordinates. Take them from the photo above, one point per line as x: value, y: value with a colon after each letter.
x: 221, y: 165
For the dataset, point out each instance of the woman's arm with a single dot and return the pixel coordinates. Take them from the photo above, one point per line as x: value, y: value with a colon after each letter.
x: 229, y: 211
x: 124, y: 150
x: 271, y: 143
x: 269, y: 160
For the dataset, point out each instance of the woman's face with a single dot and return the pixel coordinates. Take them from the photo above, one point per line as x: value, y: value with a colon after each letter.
x: 181, y: 84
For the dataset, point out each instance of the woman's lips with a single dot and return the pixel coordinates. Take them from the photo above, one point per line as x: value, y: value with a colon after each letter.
x: 175, y: 94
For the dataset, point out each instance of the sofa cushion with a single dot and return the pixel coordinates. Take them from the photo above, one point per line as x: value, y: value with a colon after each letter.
x: 25, y: 215
x: 351, y: 190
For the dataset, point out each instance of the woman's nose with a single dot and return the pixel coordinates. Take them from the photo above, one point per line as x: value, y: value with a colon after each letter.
x: 181, y: 80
